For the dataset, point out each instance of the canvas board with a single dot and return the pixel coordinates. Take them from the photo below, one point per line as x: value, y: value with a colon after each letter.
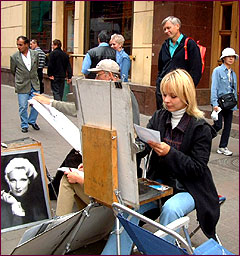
x: 104, y: 104
x: 57, y: 232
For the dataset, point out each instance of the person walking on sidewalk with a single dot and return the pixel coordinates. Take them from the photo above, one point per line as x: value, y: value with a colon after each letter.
x: 58, y: 66
x: 172, y: 55
x: 96, y: 54
x: 42, y: 57
x: 224, y: 80
x: 24, y: 66
x: 122, y: 57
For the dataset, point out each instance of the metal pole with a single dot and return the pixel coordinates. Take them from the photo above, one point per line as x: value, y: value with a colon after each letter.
x: 118, y: 237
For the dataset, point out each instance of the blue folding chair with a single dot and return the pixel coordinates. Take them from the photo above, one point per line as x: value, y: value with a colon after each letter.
x: 150, y: 244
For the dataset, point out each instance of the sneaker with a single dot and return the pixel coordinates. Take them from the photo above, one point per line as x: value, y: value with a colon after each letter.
x: 224, y: 151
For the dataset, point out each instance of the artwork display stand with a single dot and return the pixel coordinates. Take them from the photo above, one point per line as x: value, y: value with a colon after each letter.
x: 30, y: 152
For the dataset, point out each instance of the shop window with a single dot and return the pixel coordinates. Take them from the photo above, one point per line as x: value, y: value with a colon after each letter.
x: 41, y: 23
x: 115, y: 17
x: 68, y: 41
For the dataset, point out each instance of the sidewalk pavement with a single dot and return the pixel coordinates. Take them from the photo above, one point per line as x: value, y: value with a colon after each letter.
x: 225, y: 172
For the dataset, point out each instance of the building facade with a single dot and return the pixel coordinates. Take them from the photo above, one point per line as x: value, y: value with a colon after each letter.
x: 77, y: 24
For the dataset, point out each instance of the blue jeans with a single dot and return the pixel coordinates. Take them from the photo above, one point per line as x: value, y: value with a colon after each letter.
x: 23, y: 109
x: 174, y: 208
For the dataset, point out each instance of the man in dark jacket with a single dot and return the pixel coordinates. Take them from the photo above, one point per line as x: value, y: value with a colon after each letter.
x: 58, y: 66
x: 172, y: 55
x: 96, y: 54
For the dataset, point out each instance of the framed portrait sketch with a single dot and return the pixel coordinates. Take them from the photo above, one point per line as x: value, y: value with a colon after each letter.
x: 24, y: 193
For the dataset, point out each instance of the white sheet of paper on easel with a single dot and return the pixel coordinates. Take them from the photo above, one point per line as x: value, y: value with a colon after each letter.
x: 146, y: 134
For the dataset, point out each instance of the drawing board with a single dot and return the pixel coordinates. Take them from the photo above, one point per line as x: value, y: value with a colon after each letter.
x: 108, y: 105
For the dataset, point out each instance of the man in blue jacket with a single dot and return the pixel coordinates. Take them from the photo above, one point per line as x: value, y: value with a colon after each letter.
x: 172, y: 55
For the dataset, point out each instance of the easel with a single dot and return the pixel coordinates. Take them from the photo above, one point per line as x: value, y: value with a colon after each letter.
x: 105, y: 119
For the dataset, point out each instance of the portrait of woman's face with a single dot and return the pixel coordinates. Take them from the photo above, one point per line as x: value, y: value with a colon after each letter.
x: 18, y: 181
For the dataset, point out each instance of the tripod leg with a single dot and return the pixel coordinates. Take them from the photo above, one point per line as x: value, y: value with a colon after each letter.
x: 74, y: 232
x: 50, y: 179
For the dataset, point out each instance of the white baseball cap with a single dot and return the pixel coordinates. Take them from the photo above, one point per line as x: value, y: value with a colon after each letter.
x: 228, y: 52
x: 106, y: 65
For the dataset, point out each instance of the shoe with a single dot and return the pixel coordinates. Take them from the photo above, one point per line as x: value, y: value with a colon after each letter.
x: 24, y: 129
x: 35, y: 126
x: 224, y: 151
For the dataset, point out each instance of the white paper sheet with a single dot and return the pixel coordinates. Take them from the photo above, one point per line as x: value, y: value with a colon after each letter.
x: 146, y: 134
x: 66, y: 128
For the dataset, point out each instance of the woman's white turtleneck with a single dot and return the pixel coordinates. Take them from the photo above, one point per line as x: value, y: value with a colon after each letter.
x: 176, y: 117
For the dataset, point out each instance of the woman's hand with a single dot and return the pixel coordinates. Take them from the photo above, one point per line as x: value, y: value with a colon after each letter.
x: 161, y: 149
x: 42, y: 99
x: 215, y: 108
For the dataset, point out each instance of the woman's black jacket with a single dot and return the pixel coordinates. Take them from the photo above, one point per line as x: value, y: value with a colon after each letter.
x: 189, y: 166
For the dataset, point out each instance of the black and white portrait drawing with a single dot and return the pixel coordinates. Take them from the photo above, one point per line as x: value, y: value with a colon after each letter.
x: 24, y: 197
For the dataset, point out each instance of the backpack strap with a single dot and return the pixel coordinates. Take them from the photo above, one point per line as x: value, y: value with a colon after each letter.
x: 185, y: 47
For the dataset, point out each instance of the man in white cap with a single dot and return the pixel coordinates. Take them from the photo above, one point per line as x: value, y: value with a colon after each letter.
x: 224, y: 81
x: 107, y: 70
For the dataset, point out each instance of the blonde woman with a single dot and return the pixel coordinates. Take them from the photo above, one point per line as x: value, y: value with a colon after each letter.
x: 122, y: 57
x: 181, y: 159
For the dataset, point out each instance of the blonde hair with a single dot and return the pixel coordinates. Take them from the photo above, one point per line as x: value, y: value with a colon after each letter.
x: 20, y: 163
x: 118, y: 38
x: 180, y: 83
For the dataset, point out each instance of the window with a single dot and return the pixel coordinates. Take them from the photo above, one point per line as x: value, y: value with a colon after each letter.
x: 41, y: 23
x: 68, y: 42
x: 226, y: 26
x: 115, y: 17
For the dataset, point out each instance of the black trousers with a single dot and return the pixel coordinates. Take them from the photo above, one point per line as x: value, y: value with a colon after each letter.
x: 40, y: 77
x: 227, y: 116
x: 57, y: 86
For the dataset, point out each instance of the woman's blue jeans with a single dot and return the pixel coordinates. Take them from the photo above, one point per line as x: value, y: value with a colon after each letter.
x: 174, y: 208
x: 23, y: 109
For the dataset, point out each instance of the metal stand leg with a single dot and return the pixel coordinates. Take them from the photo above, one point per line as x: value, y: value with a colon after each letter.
x: 74, y: 232
x: 50, y: 180
x: 118, y: 241
x: 118, y: 237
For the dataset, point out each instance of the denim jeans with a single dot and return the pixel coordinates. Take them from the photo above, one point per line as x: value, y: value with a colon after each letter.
x: 23, y: 109
x: 174, y: 208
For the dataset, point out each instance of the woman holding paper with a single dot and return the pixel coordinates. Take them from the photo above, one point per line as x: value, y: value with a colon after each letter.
x: 180, y: 159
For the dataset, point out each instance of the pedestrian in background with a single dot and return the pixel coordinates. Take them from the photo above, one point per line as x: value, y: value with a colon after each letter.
x: 224, y: 80
x: 122, y: 57
x: 42, y: 57
x: 172, y: 55
x: 96, y: 54
x: 58, y: 66
x: 24, y: 66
